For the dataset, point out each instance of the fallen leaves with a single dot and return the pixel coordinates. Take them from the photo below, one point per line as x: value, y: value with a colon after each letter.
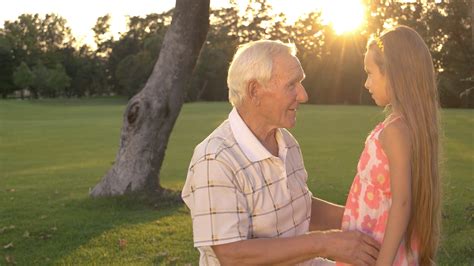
x: 10, y: 260
x: 162, y: 254
x: 122, y: 243
x: 7, y: 228
x: 45, y: 236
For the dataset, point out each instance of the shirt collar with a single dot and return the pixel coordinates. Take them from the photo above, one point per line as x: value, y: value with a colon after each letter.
x: 248, y: 142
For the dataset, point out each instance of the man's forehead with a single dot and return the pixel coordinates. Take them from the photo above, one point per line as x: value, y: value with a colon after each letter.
x: 297, y: 69
x: 288, y: 63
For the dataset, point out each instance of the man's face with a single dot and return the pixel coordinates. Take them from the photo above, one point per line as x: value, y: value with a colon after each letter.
x: 283, y: 94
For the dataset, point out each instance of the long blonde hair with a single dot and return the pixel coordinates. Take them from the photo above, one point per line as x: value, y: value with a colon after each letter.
x: 403, y: 57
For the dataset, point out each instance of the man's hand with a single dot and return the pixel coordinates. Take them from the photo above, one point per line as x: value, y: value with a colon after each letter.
x: 351, y: 247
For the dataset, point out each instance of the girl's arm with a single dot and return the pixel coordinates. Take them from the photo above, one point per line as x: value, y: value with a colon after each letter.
x: 325, y: 215
x: 395, y: 140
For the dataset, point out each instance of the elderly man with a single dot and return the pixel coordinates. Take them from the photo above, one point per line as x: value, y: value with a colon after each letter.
x: 246, y: 185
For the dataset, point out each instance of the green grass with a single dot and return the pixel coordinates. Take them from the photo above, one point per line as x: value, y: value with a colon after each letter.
x: 53, y: 151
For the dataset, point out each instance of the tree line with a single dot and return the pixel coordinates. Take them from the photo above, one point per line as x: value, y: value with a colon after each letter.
x: 39, y: 55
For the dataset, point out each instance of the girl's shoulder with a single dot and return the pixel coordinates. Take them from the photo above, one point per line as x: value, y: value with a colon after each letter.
x: 396, y: 123
x: 395, y: 132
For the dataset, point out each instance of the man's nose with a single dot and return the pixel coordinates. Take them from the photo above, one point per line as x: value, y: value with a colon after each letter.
x: 302, y: 96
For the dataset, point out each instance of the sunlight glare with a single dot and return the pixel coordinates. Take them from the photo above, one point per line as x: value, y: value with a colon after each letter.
x: 343, y: 15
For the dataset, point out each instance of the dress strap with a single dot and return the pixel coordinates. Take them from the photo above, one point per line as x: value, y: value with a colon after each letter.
x: 385, y: 123
x: 391, y: 120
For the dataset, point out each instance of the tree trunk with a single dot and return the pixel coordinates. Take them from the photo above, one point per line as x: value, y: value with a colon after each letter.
x: 472, y: 23
x: 150, y: 115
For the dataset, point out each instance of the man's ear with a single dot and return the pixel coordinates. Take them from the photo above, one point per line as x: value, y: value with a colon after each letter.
x: 253, y: 91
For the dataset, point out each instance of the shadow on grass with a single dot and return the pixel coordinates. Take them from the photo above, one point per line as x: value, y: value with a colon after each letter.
x: 64, y: 231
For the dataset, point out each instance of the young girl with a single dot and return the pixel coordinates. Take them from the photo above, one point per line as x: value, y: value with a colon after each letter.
x: 395, y: 196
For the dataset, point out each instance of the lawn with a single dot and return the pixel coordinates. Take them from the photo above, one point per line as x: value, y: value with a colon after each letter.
x: 53, y: 151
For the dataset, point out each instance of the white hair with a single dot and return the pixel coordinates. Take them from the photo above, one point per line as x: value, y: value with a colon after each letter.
x: 254, y: 61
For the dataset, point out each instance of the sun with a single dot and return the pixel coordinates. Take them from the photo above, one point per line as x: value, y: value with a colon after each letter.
x: 343, y: 15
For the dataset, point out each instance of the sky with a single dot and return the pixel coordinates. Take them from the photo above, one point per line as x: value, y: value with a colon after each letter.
x: 82, y: 15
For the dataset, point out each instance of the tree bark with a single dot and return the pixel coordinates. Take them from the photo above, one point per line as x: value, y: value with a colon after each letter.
x: 151, y: 114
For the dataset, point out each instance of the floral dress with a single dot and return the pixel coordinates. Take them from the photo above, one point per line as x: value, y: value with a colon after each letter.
x: 369, y: 199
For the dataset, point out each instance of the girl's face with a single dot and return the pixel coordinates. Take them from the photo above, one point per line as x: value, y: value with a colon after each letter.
x: 376, y: 82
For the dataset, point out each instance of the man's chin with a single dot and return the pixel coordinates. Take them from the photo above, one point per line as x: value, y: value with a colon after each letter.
x: 291, y: 124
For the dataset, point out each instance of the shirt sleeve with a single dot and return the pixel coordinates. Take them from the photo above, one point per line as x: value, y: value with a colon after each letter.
x: 218, y: 208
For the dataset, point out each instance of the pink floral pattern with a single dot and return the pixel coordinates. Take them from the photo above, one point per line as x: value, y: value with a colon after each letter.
x: 369, y: 199
x: 381, y: 223
x: 372, y: 197
x: 353, y: 208
x: 368, y: 224
x: 364, y: 160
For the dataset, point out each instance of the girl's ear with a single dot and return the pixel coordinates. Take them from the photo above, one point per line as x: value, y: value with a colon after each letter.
x: 253, y: 92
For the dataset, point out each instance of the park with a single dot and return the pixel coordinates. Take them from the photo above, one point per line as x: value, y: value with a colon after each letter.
x: 60, y: 135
